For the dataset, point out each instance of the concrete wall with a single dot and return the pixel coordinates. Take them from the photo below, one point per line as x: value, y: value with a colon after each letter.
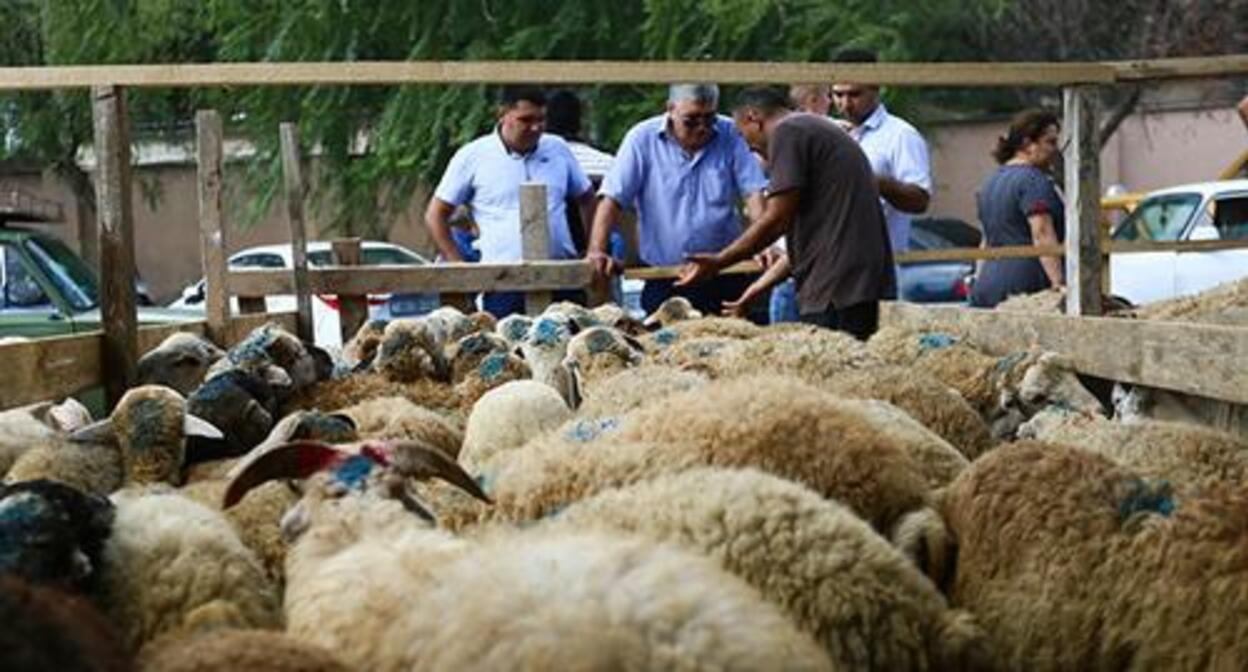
x: 1149, y: 151
x: 166, y: 228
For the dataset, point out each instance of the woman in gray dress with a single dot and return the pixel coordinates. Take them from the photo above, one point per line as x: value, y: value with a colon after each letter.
x: 1019, y: 205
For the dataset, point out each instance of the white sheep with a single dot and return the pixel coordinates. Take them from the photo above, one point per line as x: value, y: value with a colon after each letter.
x: 508, y: 416
x: 598, y: 601
x: 832, y: 574
x: 180, y: 362
x: 544, y: 349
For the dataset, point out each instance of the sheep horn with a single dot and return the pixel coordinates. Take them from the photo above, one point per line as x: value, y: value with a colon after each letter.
x: 298, y: 459
x: 193, y: 425
x: 417, y: 460
x: 100, y: 431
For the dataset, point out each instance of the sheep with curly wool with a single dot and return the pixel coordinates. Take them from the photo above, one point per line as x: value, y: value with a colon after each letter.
x: 359, y: 387
x: 173, y: 564
x: 272, y: 345
x: 816, y: 355
x: 598, y: 353
x: 230, y: 650
x: 48, y: 629
x: 1004, y: 390
x: 180, y: 362
x: 507, y: 416
x: 448, y: 324
x: 142, y: 441
x: 631, y: 388
x: 463, y: 356
x: 1070, y: 561
x: 934, y: 404
x: 600, y: 601
x: 362, y: 348
x: 514, y: 328
x: 396, y: 419
x: 673, y: 309
x: 715, y: 326
x: 496, y: 369
x: 832, y: 574
x: 1185, y: 454
x: 616, y: 317
x: 545, y: 350
x: 152, y: 561
x: 704, y: 354
x: 28, y: 427
x: 412, y: 350
x: 838, y: 448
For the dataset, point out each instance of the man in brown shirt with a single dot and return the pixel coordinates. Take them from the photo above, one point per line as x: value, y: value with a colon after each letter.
x: 823, y: 198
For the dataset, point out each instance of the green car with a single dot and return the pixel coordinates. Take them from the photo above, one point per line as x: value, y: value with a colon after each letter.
x: 47, y: 290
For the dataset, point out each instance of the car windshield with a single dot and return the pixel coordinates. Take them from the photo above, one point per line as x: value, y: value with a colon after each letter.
x: 71, y: 276
x: 372, y: 256
x: 1161, y: 218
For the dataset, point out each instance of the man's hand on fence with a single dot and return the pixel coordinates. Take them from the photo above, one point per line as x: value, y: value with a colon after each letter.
x: 604, y: 264
x: 698, y: 268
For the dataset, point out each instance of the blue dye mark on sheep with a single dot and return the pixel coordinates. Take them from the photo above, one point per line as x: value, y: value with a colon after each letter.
x: 492, y: 367
x: 666, y: 337
x: 936, y: 341
x: 547, y: 332
x: 148, y: 418
x: 585, y: 431
x: 517, y: 330
x: 22, y: 517
x: 484, y: 482
x: 1009, y: 361
x: 397, y: 342
x: 1145, y: 498
x: 354, y: 472
x: 600, y: 340
x: 476, y: 344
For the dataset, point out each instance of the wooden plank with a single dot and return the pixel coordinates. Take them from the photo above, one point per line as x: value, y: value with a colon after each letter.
x: 295, y: 191
x: 352, y: 308
x: 1189, y: 358
x: 1083, y: 201
x: 573, y: 72
x: 534, y: 238
x: 54, y: 368
x: 977, y: 253
x: 208, y: 160
x: 1180, y: 68
x: 672, y: 272
x: 441, y: 278
x: 116, y: 230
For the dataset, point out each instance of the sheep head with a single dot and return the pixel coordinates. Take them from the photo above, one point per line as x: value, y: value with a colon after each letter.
x: 515, y: 328
x: 51, y: 533
x: 468, y: 352
x: 674, y: 309
x: 379, y: 467
x: 150, y: 426
x: 410, y: 350
x: 181, y: 362
x: 1050, y: 380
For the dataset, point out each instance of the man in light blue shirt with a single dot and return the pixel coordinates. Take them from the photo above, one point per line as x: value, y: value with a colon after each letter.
x: 486, y: 175
x: 685, y: 172
x: 897, y: 152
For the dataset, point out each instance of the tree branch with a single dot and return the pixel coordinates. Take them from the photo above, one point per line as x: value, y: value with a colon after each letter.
x: 1117, y: 115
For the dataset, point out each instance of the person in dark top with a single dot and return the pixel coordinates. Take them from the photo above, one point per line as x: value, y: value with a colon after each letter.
x: 823, y: 198
x: 1018, y: 205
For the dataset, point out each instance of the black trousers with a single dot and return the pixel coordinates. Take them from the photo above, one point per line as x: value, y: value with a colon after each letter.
x: 708, y: 297
x: 859, y: 320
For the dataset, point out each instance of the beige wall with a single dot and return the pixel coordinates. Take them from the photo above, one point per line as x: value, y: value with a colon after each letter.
x: 1149, y: 151
x: 166, y: 230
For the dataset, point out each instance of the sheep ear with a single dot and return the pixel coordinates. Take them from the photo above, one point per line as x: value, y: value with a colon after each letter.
x: 100, y: 431
x: 299, y: 459
x: 417, y: 460
x: 193, y: 425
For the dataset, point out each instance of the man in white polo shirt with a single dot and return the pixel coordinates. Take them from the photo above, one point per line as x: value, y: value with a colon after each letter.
x: 897, y: 152
x: 486, y: 175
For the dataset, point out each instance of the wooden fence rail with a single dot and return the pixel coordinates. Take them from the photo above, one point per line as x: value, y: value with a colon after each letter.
x: 52, y: 368
x: 1195, y: 359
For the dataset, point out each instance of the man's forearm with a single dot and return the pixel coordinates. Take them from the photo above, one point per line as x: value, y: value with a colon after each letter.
x: 756, y: 238
x: 436, y: 221
x: 906, y: 197
x: 604, y: 218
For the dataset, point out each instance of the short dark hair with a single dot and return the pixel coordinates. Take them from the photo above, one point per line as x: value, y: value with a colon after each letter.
x: 512, y: 95
x: 855, y: 55
x: 563, y: 114
x: 1026, y: 125
x: 766, y: 99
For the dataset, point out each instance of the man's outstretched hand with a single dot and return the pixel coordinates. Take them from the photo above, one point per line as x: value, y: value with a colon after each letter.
x: 698, y: 268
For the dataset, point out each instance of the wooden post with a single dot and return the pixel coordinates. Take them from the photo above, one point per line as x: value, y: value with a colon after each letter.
x: 1083, y: 186
x: 209, y: 157
x: 292, y: 171
x: 535, y: 238
x: 116, y: 230
x: 352, y: 309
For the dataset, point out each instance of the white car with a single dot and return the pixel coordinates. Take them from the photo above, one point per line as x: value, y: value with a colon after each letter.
x: 1204, y: 211
x: 325, y: 318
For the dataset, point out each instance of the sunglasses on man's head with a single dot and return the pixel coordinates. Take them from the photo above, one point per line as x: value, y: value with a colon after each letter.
x: 698, y: 120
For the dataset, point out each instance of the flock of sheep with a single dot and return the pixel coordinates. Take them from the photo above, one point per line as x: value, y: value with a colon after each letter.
x: 580, y: 490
